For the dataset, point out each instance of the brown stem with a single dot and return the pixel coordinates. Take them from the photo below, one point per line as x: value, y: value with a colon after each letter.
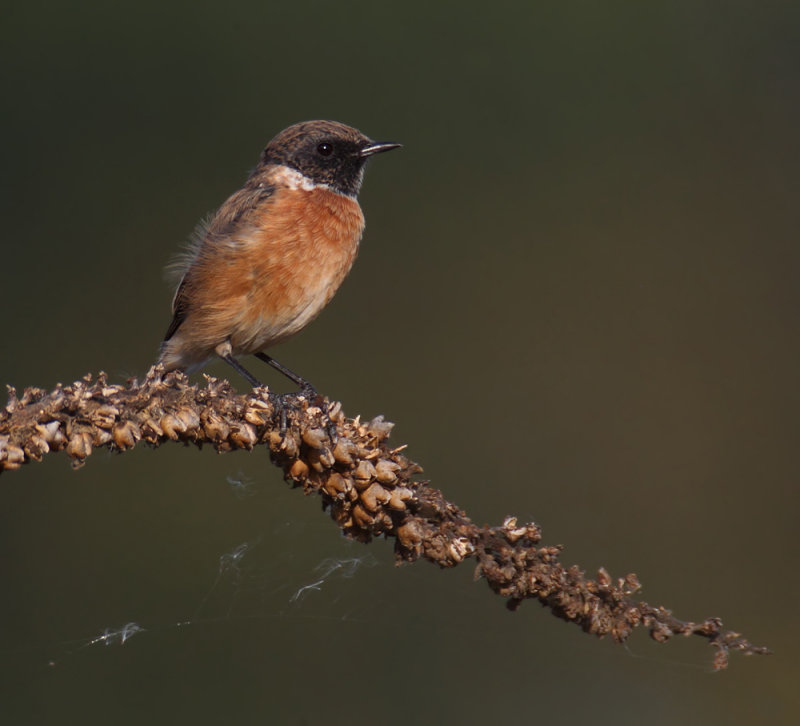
x: 369, y: 487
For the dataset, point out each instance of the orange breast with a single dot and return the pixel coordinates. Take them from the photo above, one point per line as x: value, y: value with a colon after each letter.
x: 267, y: 280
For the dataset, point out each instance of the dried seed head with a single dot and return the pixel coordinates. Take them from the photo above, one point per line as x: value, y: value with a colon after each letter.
x: 51, y: 432
x: 385, y: 471
x: 100, y: 437
x: 172, y: 426
x: 335, y: 411
x: 151, y: 430
x: 315, y: 438
x: 315, y: 460
x: 290, y: 445
x: 12, y: 457
x: 364, y: 472
x: 630, y: 583
x: 341, y: 515
x: 512, y: 532
x: 343, y: 451
x: 337, y: 487
x: 188, y: 418
x: 13, y: 401
x: 380, y: 428
x: 126, y: 434
x: 459, y: 548
x: 720, y: 659
x: 399, y: 497
x: 326, y: 457
x: 215, y: 427
x: 36, y: 447
x: 79, y: 446
x: 104, y: 416
x: 256, y: 416
x: 361, y: 517
x: 299, y: 470
x: 244, y: 436
x: 409, y: 535
x: 374, y: 496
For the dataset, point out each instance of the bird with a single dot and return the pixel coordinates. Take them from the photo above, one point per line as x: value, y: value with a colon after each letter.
x: 275, y: 253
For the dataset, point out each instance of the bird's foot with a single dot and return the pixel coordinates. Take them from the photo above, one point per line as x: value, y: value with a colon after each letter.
x: 285, y: 401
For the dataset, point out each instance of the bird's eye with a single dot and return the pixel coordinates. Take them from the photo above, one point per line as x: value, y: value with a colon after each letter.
x: 325, y: 149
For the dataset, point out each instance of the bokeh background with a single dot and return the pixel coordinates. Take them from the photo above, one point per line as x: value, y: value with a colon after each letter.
x: 577, y: 297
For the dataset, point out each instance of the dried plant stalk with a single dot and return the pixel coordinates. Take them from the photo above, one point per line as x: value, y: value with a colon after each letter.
x: 369, y: 487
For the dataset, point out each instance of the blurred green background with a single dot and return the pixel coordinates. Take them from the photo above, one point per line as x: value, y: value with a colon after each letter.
x: 577, y: 297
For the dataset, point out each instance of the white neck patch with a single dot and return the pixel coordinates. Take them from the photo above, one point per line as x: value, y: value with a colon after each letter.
x: 294, y: 179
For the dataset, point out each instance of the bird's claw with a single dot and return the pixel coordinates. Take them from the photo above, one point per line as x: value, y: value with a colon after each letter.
x: 283, y: 401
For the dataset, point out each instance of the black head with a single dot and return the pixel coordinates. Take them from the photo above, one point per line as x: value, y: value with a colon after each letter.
x: 326, y: 152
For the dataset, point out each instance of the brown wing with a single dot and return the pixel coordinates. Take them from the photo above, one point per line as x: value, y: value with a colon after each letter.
x: 223, y: 224
x: 180, y: 308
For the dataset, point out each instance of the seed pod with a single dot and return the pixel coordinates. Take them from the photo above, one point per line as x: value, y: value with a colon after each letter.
x: 244, y: 436
x: 188, y: 418
x: 79, y: 446
x: 13, y: 401
x: 337, y: 487
x: 151, y: 430
x: 256, y: 416
x: 511, y: 531
x: 365, y: 472
x: 126, y: 434
x: 315, y: 438
x: 299, y: 470
x: 37, y: 447
x: 100, y: 437
x: 11, y: 456
x: 374, y: 496
x: 315, y: 460
x: 341, y: 515
x: 215, y: 427
x: 399, y: 497
x: 361, y: 517
x: 630, y: 583
x: 290, y: 445
x: 380, y: 428
x: 335, y: 411
x: 104, y: 416
x: 172, y: 426
x: 343, y: 451
x: 51, y: 432
x: 385, y: 471
x: 410, y: 535
x: 459, y: 548
x: 326, y: 458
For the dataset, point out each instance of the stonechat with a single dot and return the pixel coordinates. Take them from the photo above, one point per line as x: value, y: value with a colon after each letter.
x: 275, y: 252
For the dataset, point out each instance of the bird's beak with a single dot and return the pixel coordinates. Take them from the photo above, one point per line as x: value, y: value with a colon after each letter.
x: 378, y: 147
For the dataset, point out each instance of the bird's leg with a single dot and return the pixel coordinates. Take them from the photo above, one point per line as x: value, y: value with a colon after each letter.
x: 306, y: 389
x: 224, y: 351
x: 304, y: 386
